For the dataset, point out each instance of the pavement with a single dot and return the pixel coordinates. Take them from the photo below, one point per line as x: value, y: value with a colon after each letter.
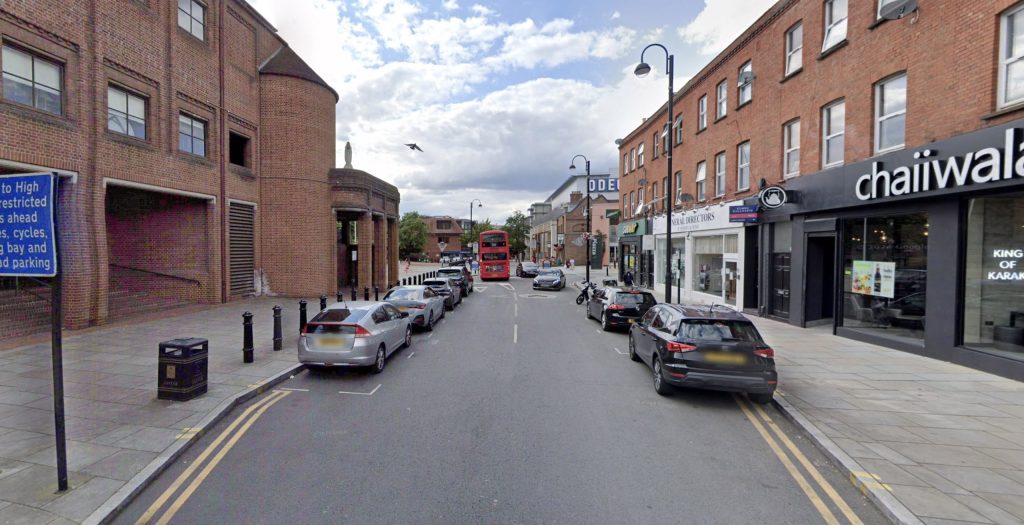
x: 928, y: 441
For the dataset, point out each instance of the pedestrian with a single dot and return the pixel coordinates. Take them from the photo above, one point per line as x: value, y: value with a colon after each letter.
x: 408, y: 264
x: 628, y: 278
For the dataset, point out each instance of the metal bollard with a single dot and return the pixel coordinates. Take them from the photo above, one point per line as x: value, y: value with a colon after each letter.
x: 247, y: 337
x: 277, y: 327
x: 376, y: 293
x: 366, y: 293
x: 323, y: 302
x: 405, y: 281
x: 341, y: 296
x: 353, y: 292
x: 302, y: 316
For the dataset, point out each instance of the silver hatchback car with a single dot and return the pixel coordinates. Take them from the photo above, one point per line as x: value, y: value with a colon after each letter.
x: 355, y: 334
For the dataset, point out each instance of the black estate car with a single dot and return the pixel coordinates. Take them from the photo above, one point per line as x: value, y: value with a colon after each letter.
x: 617, y: 307
x: 705, y: 347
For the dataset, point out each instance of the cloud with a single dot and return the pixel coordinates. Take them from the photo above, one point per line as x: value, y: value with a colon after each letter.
x: 481, y: 10
x: 450, y: 5
x: 721, y: 21
x: 615, y: 16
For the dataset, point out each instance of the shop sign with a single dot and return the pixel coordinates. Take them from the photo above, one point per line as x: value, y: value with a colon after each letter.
x: 710, y: 218
x: 1009, y: 268
x: 876, y: 278
x: 604, y: 184
x: 743, y: 214
x: 772, y: 197
x: 633, y: 228
x: 983, y: 165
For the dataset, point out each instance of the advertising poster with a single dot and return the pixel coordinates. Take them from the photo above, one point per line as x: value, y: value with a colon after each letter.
x: 874, y: 278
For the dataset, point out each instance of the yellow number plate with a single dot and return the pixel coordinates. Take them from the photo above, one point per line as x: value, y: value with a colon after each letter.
x: 725, y: 359
x: 328, y: 341
x: 631, y: 321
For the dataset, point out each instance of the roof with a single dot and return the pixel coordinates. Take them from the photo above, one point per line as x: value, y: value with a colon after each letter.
x: 286, y: 62
x: 701, y: 311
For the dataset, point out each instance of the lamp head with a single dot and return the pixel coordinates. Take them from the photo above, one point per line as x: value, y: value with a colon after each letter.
x: 642, y: 69
x: 572, y: 167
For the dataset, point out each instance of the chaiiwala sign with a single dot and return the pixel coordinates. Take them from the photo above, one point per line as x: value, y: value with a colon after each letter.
x: 932, y: 172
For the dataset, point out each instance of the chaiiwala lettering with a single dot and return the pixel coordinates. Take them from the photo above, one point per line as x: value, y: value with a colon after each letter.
x: 977, y: 167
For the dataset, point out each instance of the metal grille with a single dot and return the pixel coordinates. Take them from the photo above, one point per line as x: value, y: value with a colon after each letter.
x: 241, y: 218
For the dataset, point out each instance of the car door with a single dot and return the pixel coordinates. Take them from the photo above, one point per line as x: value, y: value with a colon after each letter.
x: 662, y: 330
x: 642, y: 335
x: 396, y: 326
x: 595, y: 299
x: 431, y: 298
x: 381, y: 330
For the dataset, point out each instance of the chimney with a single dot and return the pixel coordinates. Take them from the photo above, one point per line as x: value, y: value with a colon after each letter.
x: 575, y: 197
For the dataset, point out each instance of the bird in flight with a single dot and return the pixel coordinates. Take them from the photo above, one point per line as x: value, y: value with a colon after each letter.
x: 414, y: 147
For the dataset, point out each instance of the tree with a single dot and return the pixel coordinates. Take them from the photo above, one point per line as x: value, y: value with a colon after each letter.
x: 412, y: 235
x: 518, y: 228
x: 473, y: 235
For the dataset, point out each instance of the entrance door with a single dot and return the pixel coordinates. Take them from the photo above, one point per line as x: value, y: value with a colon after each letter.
x: 780, y: 284
x: 729, y: 281
x: 819, y: 301
x: 242, y: 253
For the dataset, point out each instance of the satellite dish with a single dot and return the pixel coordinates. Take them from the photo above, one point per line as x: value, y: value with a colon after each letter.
x: 898, y: 9
x: 618, y: 142
x: 683, y: 197
x: 746, y: 77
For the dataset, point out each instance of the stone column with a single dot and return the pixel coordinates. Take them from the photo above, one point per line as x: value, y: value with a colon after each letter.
x: 378, y: 251
x: 393, y: 261
x: 384, y: 261
x: 364, y: 230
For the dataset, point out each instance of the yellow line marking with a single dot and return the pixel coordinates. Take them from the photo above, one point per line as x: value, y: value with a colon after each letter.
x: 152, y: 510
x: 866, y: 480
x: 815, y: 473
x: 187, y: 493
x: 826, y: 514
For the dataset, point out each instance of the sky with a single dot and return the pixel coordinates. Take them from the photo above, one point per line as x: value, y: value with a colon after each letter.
x: 500, y: 95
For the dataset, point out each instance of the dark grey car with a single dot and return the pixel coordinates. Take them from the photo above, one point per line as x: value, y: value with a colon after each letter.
x: 448, y: 289
x: 549, y: 279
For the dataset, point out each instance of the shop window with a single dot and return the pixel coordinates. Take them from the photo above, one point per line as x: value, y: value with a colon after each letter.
x: 791, y: 149
x: 745, y: 83
x: 707, y: 260
x: 885, y: 277
x: 720, y: 174
x: 794, y: 49
x: 722, y: 102
x: 192, y: 17
x: 126, y: 113
x: 702, y: 112
x: 890, y: 113
x: 833, y: 132
x: 835, y: 24
x: 1011, y: 57
x: 191, y: 135
x: 701, y: 176
x: 994, y: 276
x: 678, y: 261
x: 238, y: 149
x: 743, y: 166
x: 30, y: 80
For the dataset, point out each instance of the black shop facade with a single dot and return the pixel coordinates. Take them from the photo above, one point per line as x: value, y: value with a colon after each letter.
x: 921, y: 250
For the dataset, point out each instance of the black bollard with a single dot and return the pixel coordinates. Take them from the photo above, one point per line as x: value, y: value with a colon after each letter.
x: 341, y: 296
x: 376, y: 293
x: 277, y: 327
x: 405, y: 281
x: 302, y: 316
x: 353, y: 292
x: 247, y: 337
x: 366, y: 293
x: 323, y: 302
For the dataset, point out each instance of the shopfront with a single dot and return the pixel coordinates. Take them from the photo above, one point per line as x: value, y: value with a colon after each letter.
x: 920, y: 250
x: 707, y: 256
x: 631, y: 255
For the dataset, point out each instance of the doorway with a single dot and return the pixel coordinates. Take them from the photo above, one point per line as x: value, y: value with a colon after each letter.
x: 820, y: 286
x: 780, y: 284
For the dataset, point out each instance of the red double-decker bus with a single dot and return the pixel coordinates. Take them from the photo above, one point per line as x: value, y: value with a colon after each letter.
x: 494, y: 263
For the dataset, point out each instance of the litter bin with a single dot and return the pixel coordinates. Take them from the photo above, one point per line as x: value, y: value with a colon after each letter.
x: 182, y: 365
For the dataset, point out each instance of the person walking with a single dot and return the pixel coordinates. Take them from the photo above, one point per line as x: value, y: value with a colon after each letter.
x: 628, y: 278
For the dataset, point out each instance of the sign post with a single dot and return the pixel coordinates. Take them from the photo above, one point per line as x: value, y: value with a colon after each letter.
x: 28, y: 248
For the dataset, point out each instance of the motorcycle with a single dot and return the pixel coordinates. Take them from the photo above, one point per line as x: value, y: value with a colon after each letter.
x: 585, y: 292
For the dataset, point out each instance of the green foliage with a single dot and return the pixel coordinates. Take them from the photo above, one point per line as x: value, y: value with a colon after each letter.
x: 518, y: 228
x: 473, y: 235
x: 412, y: 235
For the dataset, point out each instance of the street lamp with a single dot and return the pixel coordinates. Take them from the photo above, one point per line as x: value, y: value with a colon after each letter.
x: 572, y: 167
x: 478, y: 205
x: 642, y: 69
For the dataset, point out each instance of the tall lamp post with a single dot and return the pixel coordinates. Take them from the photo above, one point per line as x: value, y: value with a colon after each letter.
x: 478, y: 205
x: 642, y: 69
x: 572, y: 167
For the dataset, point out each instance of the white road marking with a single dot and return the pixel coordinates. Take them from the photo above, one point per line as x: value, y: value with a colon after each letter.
x: 410, y: 355
x: 293, y: 389
x: 620, y: 352
x: 516, y: 310
x: 515, y: 334
x: 433, y: 342
x: 596, y: 330
x: 361, y: 393
x: 431, y: 334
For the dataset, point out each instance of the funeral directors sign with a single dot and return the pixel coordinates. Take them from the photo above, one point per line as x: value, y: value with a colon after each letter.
x: 27, y: 242
x: 708, y: 218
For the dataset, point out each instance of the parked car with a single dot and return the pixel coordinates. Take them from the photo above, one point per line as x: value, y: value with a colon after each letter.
x: 423, y: 305
x: 354, y: 334
x: 618, y: 307
x: 549, y: 278
x: 444, y: 287
x: 527, y: 269
x: 715, y: 348
x: 460, y: 275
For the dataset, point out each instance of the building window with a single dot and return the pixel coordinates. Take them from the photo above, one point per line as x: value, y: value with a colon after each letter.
x: 191, y: 135
x: 664, y: 138
x: 654, y: 145
x: 720, y: 174
x: 679, y: 188
x: 791, y: 148
x: 890, y: 113
x: 833, y: 128
x: 993, y: 311
x: 882, y: 4
x: 632, y: 202
x: 722, y: 102
x: 679, y: 130
x: 238, y: 149
x: 1011, y: 57
x: 442, y: 239
x: 654, y: 197
x: 192, y: 17
x: 444, y: 225
x: 701, y: 176
x: 126, y: 113
x: 835, y: 23
x: 625, y: 164
x: 794, y: 49
x: 746, y: 83
x: 640, y: 155
x: 664, y: 188
x: 632, y: 159
x: 31, y: 80
x: 743, y: 166
x: 702, y: 112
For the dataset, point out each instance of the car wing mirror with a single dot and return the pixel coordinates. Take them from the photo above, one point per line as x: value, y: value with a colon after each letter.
x: 405, y: 315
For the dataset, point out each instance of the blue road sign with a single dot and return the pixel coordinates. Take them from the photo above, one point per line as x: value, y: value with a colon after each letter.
x: 27, y: 243
x: 746, y: 214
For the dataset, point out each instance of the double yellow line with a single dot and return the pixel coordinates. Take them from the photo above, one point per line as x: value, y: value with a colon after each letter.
x: 762, y: 420
x: 242, y: 423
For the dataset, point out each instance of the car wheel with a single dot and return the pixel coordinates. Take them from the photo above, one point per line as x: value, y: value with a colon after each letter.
x: 430, y: 322
x: 587, y: 309
x: 604, y: 322
x: 381, y: 361
x: 408, y: 337
x: 660, y: 386
x: 761, y: 399
x: 632, y: 349
x: 443, y: 313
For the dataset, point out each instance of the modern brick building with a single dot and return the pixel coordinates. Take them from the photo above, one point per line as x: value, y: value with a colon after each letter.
x: 443, y: 229
x: 896, y: 143
x: 197, y: 152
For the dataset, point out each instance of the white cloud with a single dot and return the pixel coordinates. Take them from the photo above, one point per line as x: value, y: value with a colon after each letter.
x: 450, y: 5
x: 616, y: 15
x: 481, y: 10
x: 721, y: 21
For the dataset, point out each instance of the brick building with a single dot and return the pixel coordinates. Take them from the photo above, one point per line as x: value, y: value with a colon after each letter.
x: 894, y: 144
x: 197, y: 153
x: 443, y: 229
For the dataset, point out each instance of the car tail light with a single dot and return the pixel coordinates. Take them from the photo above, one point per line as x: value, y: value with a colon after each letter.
x: 765, y: 351
x: 419, y: 306
x: 360, y: 331
x: 680, y: 347
x: 616, y: 307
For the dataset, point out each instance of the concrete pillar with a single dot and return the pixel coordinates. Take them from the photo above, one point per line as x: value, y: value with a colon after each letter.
x: 383, y: 261
x: 378, y: 251
x: 364, y: 232
x: 393, y: 261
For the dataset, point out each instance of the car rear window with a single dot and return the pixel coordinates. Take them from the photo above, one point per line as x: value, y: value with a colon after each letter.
x: 634, y: 298
x: 403, y: 294
x: 339, y: 315
x: 434, y: 282
x: 719, y: 330
x: 453, y: 272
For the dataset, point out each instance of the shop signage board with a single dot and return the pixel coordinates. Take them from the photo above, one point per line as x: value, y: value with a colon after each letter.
x: 708, y: 218
x: 604, y: 184
x: 745, y: 214
x: 638, y: 227
x: 1010, y: 263
x: 772, y: 197
x: 877, y: 278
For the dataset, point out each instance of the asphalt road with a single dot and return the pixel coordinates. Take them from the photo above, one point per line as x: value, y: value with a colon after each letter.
x: 516, y: 409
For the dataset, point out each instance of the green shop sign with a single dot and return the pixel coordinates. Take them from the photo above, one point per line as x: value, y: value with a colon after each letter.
x: 638, y: 227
